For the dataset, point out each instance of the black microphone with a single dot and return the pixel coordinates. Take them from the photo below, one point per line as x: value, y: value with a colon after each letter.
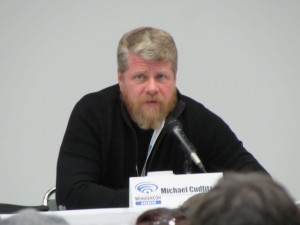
x: 175, y: 127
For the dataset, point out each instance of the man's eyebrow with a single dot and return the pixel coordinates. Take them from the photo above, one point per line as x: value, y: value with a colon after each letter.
x: 139, y: 72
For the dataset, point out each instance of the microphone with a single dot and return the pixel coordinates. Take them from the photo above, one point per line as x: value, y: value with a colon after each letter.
x: 175, y: 127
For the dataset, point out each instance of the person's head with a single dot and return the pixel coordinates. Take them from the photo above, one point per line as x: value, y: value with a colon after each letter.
x: 33, y: 217
x: 162, y: 216
x: 191, y: 204
x: 147, y: 67
x: 252, y: 199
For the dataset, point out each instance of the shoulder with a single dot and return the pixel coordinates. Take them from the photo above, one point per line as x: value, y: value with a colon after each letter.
x: 196, y: 113
x: 103, y: 97
x: 196, y: 109
x: 106, y: 94
x: 105, y: 100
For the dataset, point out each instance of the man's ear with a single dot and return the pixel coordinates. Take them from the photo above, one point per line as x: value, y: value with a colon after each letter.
x: 119, y: 76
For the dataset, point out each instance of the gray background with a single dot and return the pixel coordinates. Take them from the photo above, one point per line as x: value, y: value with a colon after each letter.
x: 241, y: 59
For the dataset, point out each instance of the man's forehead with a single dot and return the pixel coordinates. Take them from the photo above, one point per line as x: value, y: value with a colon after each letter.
x: 138, y: 61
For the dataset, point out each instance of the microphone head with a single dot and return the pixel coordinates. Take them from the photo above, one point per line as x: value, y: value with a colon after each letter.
x: 171, y: 123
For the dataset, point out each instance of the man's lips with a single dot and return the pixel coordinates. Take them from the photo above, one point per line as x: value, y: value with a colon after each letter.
x: 151, y: 103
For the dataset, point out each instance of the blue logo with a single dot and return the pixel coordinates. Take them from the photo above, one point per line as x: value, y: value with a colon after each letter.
x: 146, y: 188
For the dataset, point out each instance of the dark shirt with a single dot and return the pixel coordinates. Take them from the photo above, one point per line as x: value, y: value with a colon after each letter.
x: 143, y: 138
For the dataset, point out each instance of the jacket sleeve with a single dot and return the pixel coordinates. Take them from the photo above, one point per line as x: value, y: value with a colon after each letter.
x: 79, y: 180
x: 227, y: 152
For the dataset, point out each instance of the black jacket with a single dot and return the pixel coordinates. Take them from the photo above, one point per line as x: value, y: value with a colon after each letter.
x: 99, y: 150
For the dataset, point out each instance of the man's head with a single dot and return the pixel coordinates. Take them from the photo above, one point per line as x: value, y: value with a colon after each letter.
x: 33, y: 217
x: 147, y: 66
x: 251, y: 199
x: 150, y: 43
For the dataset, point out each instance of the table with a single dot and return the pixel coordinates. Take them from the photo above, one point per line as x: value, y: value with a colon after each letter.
x: 108, y: 216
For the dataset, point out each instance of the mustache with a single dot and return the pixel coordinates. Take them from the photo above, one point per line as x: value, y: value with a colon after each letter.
x: 152, y: 99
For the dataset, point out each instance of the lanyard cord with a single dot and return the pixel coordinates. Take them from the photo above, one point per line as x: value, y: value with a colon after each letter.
x: 152, y: 142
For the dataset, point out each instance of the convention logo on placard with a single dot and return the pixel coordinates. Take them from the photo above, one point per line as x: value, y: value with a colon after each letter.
x: 147, y: 196
x: 146, y: 187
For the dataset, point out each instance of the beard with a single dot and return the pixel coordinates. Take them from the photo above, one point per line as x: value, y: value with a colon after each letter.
x: 149, y: 117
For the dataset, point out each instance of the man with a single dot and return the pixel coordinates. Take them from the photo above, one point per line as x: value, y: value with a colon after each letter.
x: 118, y: 132
x: 251, y: 199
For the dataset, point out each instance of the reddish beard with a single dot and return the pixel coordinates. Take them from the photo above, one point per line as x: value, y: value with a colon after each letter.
x: 151, y: 116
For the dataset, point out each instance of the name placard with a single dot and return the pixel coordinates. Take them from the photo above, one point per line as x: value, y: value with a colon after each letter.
x: 168, y: 190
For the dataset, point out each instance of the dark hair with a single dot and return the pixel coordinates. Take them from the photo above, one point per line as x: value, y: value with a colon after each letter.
x: 162, y: 216
x: 252, y: 199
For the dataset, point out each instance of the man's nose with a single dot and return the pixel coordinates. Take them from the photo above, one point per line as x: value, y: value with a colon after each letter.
x: 152, y: 86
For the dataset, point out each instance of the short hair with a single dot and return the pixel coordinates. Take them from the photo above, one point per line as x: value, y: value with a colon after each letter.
x: 151, y: 43
x: 252, y: 199
x: 162, y: 216
x: 191, y: 204
x: 33, y: 217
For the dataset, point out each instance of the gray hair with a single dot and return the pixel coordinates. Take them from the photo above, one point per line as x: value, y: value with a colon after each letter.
x: 251, y: 199
x: 33, y: 217
x: 151, y: 43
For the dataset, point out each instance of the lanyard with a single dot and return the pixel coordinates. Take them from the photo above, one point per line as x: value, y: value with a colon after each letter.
x: 152, y: 142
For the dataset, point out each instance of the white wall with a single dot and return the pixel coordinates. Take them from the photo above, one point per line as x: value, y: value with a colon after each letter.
x: 240, y: 58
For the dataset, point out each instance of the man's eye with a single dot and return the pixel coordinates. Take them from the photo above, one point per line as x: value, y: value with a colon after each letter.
x: 139, y: 77
x: 161, y: 77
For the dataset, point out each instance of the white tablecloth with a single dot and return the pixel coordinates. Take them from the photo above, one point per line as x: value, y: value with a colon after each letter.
x: 110, y: 216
